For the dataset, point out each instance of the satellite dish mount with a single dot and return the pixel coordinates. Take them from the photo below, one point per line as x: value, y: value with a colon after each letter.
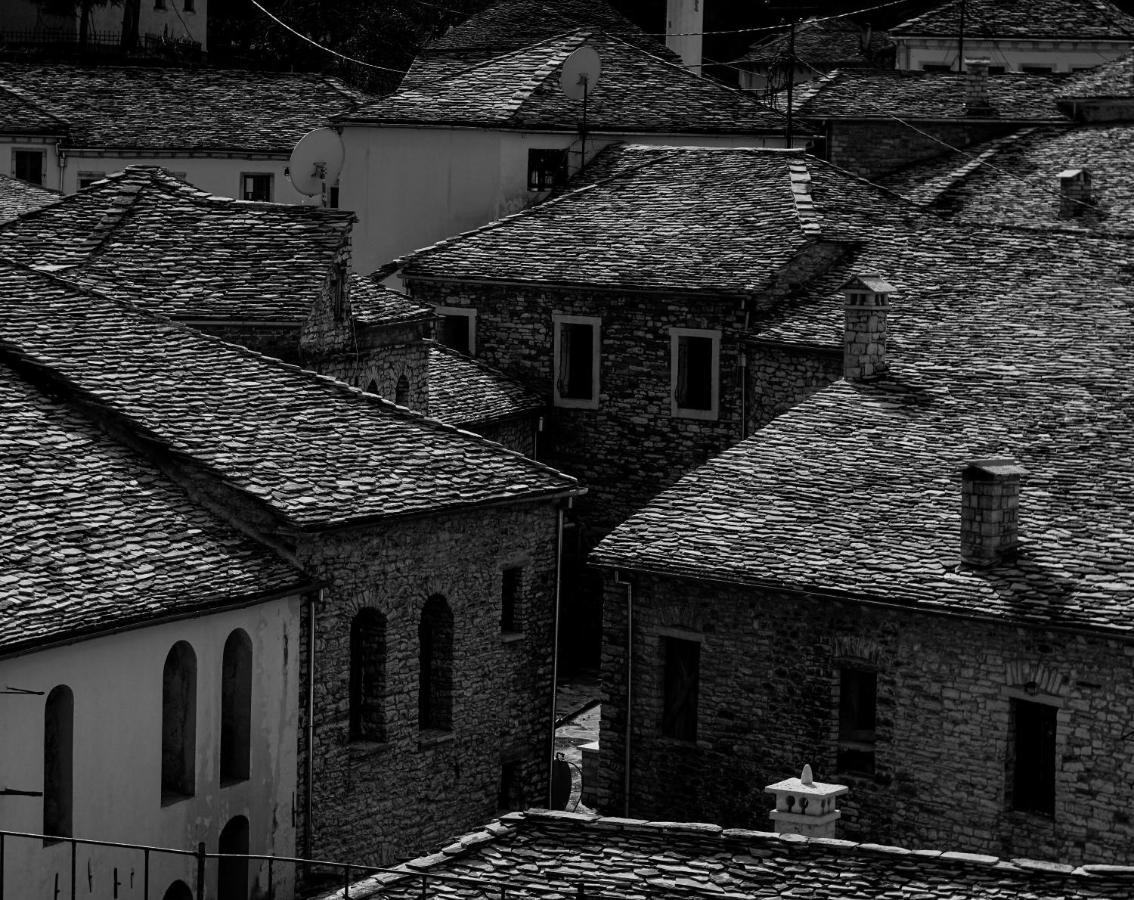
x: 581, y: 72
x: 316, y: 161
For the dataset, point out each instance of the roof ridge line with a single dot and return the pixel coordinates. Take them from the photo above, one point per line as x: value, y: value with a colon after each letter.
x: 33, y: 101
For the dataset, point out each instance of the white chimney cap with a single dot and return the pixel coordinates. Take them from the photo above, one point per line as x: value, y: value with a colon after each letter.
x: 873, y: 283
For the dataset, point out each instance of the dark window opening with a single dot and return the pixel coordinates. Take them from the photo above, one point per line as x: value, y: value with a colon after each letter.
x: 456, y: 331
x: 178, y: 724
x: 1036, y: 70
x: 401, y: 391
x: 58, y: 761
x: 232, y: 872
x: 996, y: 70
x: 682, y: 683
x: 190, y: 5
x: 936, y: 67
x: 372, y: 388
x: 511, y: 583
x: 333, y: 196
x: 511, y: 796
x: 576, y: 361
x: 435, y: 673
x: 159, y: 4
x: 694, y: 388
x: 236, y: 708
x: 546, y: 169
x: 179, y: 890
x: 28, y: 165
x: 368, y: 676
x: 858, y: 702
x: 1031, y: 757
x: 86, y: 179
x: 256, y: 186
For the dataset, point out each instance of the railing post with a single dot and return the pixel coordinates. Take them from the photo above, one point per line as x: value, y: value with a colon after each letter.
x: 424, y: 887
x: 200, y: 870
x: 346, y: 882
x: 271, y: 880
x: 1, y: 867
x: 145, y: 875
x: 73, y: 851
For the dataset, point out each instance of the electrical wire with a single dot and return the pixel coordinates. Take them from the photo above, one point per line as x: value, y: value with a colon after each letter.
x: 830, y: 18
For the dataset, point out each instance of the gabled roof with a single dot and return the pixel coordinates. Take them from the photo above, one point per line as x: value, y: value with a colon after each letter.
x: 147, y: 235
x: 372, y: 303
x: 508, y: 25
x: 464, y: 391
x: 826, y: 43
x: 19, y: 197
x: 554, y: 854
x: 926, y: 95
x: 314, y: 451
x: 635, y: 92
x: 148, y: 108
x: 717, y: 220
x: 93, y: 538
x: 1111, y: 79
x: 1015, y: 181
x: 1063, y: 19
x: 1008, y: 343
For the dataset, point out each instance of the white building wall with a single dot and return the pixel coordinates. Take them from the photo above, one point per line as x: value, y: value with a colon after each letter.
x: 117, y: 686
x: 172, y: 19
x: 1061, y: 56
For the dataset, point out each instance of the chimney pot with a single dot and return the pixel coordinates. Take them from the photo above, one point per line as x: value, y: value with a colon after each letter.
x: 977, y: 103
x: 865, y: 328
x: 805, y: 806
x: 1075, y: 198
x: 990, y: 496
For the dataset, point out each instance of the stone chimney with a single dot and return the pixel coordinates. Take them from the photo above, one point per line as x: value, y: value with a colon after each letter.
x: 684, y: 22
x: 1075, y: 196
x: 864, y: 331
x: 976, y: 89
x: 805, y: 806
x: 990, y: 519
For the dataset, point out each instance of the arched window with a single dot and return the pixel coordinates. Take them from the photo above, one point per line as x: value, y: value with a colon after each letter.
x: 178, y: 723
x: 236, y: 707
x: 232, y: 874
x: 401, y: 391
x: 368, y: 676
x: 58, y: 755
x: 435, y: 683
x: 179, y: 890
x: 372, y: 388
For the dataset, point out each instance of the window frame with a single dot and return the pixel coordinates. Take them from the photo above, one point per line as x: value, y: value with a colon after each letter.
x: 558, y: 321
x: 686, y: 412
x: 271, y: 185
x: 542, y: 177
x: 42, y: 154
x: 672, y: 719
x: 466, y: 312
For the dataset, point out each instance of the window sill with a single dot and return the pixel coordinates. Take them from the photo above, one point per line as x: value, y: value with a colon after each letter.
x: 233, y: 782
x: 168, y: 798
x: 433, y: 738
x: 681, y: 742
x: 570, y: 403
x: 362, y: 749
x: 1030, y: 816
x: 511, y: 637
x: 704, y: 415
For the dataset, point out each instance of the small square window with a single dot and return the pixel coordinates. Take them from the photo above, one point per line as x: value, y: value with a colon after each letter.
x: 159, y: 4
x: 28, y: 165
x: 695, y: 373
x: 1031, y: 757
x: 681, y: 688
x: 190, y: 6
x: 936, y: 67
x: 256, y: 186
x: 577, y: 361
x: 511, y: 586
x: 456, y: 328
x: 858, y: 701
x: 547, y: 169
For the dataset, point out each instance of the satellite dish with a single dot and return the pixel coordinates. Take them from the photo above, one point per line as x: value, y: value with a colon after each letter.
x: 581, y: 72
x: 316, y: 161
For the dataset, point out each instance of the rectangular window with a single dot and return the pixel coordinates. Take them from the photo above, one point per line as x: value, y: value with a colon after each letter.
x: 694, y: 373
x: 996, y: 70
x: 333, y: 196
x: 936, y: 67
x: 577, y: 361
x: 682, y: 682
x: 86, y: 179
x: 457, y: 329
x: 858, y: 694
x: 1031, y: 757
x: 546, y: 169
x: 159, y: 4
x: 28, y: 165
x: 256, y: 186
x: 511, y: 583
x: 190, y: 6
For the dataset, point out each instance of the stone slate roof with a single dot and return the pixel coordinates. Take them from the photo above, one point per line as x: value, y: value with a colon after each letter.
x: 636, y: 91
x: 824, y: 43
x: 315, y: 451
x: 540, y: 854
x: 372, y: 303
x: 94, y: 538
x: 464, y: 391
x: 1060, y: 19
x: 925, y: 95
x: 1014, y: 181
x: 21, y: 114
x: 19, y: 197
x: 1008, y: 343
x: 147, y: 235
x: 508, y: 25
x: 636, y: 222
x: 148, y: 108
x: 1111, y: 79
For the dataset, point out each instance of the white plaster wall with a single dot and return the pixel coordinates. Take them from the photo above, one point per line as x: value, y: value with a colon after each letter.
x: 117, y: 686
x: 412, y: 187
x: 1063, y: 56
x: 51, y: 173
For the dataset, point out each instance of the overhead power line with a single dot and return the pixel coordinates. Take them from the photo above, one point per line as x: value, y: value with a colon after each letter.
x: 761, y: 28
x: 314, y: 43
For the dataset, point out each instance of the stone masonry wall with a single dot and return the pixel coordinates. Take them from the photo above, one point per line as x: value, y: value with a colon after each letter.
x: 768, y: 703
x: 872, y: 148
x: 383, y: 365
x: 517, y: 433
x: 378, y: 802
x: 280, y: 342
x: 781, y: 376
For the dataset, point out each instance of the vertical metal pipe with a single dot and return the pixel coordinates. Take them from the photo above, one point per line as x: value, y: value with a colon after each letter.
x: 309, y: 755
x: 201, y: 870
x: 1, y: 867
x: 145, y: 875
x: 555, y: 647
x: 629, y: 696
x: 346, y: 882
x: 73, y: 854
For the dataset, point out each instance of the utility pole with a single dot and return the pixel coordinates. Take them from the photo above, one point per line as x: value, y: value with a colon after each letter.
x: 794, y: 23
x: 961, y: 41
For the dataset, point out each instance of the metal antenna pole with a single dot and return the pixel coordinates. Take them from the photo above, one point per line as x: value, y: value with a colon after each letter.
x: 586, y: 87
x: 961, y: 41
x: 790, y: 78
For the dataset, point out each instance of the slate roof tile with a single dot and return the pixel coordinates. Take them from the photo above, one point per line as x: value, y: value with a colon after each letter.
x: 18, y: 197
x: 372, y: 303
x: 464, y: 391
x: 544, y: 855
x: 1062, y: 19
x: 316, y: 451
x: 1003, y: 343
x: 136, y: 107
x: 1111, y: 79
x: 636, y: 91
x: 94, y: 538
x: 147, y: 235
x: 825, y: 43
